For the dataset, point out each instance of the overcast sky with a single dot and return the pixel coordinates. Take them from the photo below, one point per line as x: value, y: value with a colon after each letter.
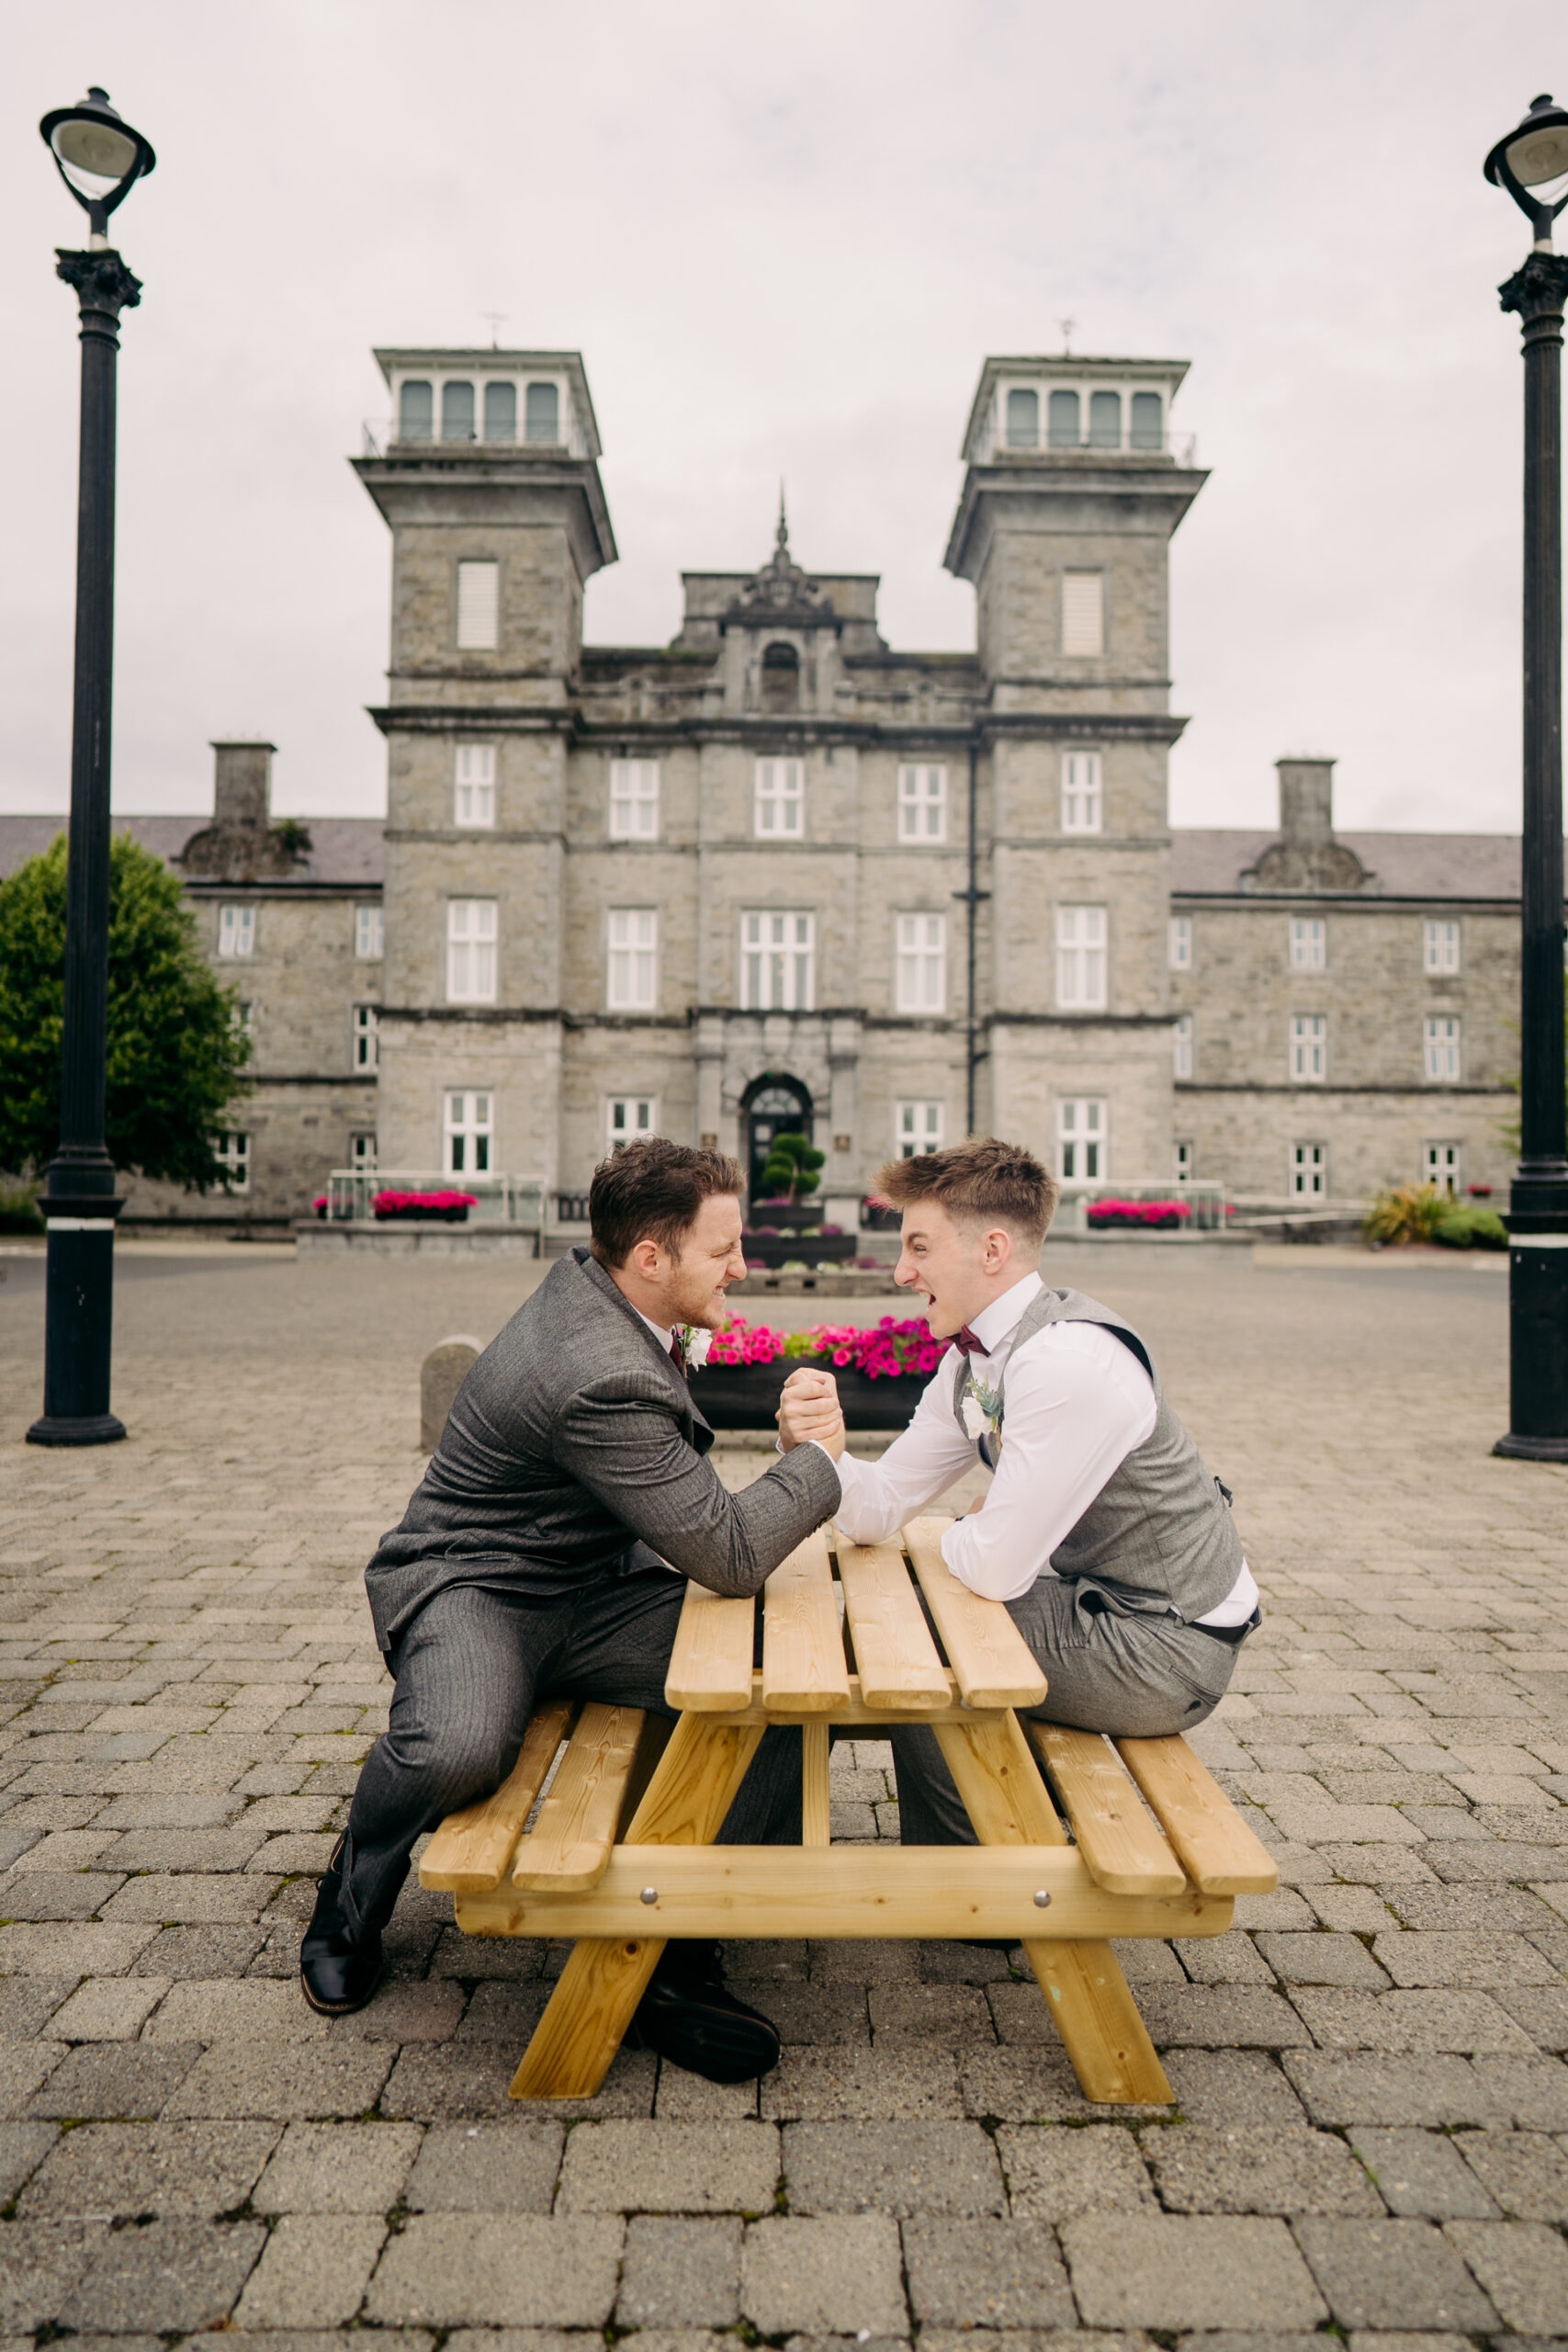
x: 784, y: 240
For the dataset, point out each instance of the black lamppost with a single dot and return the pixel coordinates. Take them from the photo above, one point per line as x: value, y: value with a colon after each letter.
x: 100, y: 158
x: 1529, y: 159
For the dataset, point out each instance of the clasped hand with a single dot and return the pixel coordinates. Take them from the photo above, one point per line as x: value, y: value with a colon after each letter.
x: 809, y: 1409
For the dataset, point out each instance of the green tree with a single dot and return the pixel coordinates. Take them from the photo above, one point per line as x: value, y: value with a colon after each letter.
x: 791, y: 1167
x: 175, y: 1051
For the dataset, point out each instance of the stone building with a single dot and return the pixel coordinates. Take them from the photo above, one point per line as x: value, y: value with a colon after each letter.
x: 777, y: 874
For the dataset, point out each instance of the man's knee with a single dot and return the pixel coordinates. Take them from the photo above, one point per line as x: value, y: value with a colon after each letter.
x: 452, y: 1760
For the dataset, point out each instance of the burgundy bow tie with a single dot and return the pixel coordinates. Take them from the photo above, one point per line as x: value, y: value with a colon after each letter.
x: 677, y: 1353
x: 966, y: 1343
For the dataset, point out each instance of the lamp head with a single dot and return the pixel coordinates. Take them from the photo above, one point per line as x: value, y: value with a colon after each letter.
x: 98, y: 155
x: 1533, y: 157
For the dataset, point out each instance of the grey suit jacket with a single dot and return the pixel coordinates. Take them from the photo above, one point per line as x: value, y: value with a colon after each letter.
x: 573, y: 1442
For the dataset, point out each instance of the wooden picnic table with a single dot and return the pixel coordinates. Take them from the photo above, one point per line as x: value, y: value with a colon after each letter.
x: 621, y: 1853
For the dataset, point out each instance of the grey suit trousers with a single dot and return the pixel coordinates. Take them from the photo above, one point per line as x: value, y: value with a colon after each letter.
x: 1136, y: 1676
x: 469, y: 1667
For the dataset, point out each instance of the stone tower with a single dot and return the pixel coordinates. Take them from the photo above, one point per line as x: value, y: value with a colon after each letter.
x: 1073, y: 489
x: 488, y: 478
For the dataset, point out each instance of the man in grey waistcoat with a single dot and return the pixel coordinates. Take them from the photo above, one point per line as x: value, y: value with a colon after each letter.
x: 535, y: 1557
x: 1110, y: 1543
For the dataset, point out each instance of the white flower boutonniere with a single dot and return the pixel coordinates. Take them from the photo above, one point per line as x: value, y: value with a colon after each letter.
x: 982, y: 1411
x: 694, y: 1346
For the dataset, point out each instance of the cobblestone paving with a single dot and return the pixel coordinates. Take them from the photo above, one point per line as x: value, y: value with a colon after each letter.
x: 1372, y: 2129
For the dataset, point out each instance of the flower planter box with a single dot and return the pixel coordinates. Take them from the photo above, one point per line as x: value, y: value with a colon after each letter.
x: 745, y: 1396
x: 772, y: 1250
x: 430, y: 1208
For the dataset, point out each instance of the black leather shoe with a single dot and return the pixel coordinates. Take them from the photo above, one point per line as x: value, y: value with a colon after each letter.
x: 689, y: 2017
x: 337, y: 1972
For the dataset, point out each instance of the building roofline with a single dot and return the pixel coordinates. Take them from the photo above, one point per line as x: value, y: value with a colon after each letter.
x: 1166, y: 371
x: 499, y: 362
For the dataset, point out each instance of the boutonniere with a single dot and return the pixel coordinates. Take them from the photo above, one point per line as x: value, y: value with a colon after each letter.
x: 695, y: 1345
x: 983, y: 1412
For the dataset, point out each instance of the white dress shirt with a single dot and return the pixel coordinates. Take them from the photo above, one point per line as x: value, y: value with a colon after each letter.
x: 663, y: 1332
x: 1078, y: 1401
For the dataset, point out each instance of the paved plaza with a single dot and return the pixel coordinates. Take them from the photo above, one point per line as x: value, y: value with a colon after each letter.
x: 1372, y: 2128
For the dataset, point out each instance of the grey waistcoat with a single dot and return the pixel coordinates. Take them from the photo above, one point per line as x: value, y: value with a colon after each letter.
x: 1158, y: 1537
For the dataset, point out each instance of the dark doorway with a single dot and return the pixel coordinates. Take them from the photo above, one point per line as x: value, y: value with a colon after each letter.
x: 781, y: 678
x: 774, y: 1105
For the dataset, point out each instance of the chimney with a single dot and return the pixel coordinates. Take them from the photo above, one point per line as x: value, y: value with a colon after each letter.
x: 243, y: 784
x: 1306, y: 802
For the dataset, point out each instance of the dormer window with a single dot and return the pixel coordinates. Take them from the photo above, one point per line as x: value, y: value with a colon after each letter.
x: 501, y: 412
x: 1024, y: 419
x: 781, y: 678
x: 1148, y: 422
x: 541, y: 413
x: 456, y: 411
x: 1105, y: 420
x: 1064, y: 427
x: 416, y: 412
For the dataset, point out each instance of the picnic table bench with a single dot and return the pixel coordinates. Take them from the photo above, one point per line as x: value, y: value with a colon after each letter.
x: 621, y: 1855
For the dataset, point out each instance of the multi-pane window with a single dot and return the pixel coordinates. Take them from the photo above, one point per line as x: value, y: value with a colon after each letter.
x: 1309, y: 1047
x: 634, y: 800
x: 236, y: 931
x: 1441, y: 1166
x: 922, y: 802
x: 369, y: 931
x: 1023, y: 418
x: 1186, y: 1161
x: 468, y: 1132
x: 1441, y: 1041
x: 1308, y: 1172
x: 362, y: 1149
x: 1440, y: 948
x: 781, y: 800
x: 233, y: 1153
x: 923, y: 963
x: 1182, y: 943
x: 1181, y: 1046
x: 1081, y: 799
x: 917, y: 1127
x: 1083, y: 612
x: 474, y: 803
x: 366, y: 1043
x: 1080, y: 1141
x: 479, y: 607
x: 1080, y: 959
x: 631, y: 1116
x: 632, y: 976
x: 471, y: 951
x: 1309, y: 942
x: 776, y: 961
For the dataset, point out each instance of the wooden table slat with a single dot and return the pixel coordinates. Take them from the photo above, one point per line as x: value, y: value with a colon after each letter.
x: 1214, y: 1844
x: 710, y: 1666
x: 803, y: 1668
x: 993, y: 1662
x: 1124, y: 1851
x: 469, y: 1852
x: 895, y: 1656
x: 569, y: 1847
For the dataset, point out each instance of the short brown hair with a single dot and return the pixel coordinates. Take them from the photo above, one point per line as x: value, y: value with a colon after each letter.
x: 651, y: 1191
x: 981, y: 1180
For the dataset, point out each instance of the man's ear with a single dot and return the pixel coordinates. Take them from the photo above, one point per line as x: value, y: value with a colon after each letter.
x: 646, y: 1259
x: 999, y: 1248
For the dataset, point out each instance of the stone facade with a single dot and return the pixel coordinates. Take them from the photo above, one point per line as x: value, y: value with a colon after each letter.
x: 777, y: 873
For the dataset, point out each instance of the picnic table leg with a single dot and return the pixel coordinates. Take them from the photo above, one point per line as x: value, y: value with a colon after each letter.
x: 692, y: 1788
x: 815, y: 1810
x: 1083, y: 1987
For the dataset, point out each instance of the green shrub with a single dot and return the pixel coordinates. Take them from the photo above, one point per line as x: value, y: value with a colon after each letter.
x: 19, y: 1206
x: 1407, y: 1212
x: 1469, y: 1228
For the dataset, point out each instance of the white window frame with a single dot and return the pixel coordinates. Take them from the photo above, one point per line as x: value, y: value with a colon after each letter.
x: 478, y: 605
x: 1440, y: 948
x: 779, y: 808
x: 369, y: 933
x: 367, y: 1038
x: 1308, y: 937
x: 1308, y: 1056
x: 473, y: 788
x: 627, y: 1116
x: 1307, y: 1173
x: 363, y: 1149
x: 778, y: 959
x: 236, y: 931
x: 1181, y: 1046
x: 232, y: 1151
x: 1442, y: 1164
x: 1082, y: 958
x: 1083, y: 615
x: 472, y: 951
x: 1179, y: 945
x: 922, y: 802
x: 468, y: 1131
x: 1442, y: 1041
x: 921, y: 963
x: 1083, y: 1132
x: 634, y: 800
x: 1082, y: 793
x: 917, y: 1128
x: 631, y: 959
x: 1186, y: 1159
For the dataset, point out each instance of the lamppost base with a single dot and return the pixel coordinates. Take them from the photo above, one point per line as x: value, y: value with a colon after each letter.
x: 87, y: 1429
x: 1532, y: 1449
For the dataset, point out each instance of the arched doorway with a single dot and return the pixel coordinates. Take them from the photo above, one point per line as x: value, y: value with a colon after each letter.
x: 773, y: 1104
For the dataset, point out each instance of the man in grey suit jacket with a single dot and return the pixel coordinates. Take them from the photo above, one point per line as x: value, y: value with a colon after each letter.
x: 530, y: 1560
